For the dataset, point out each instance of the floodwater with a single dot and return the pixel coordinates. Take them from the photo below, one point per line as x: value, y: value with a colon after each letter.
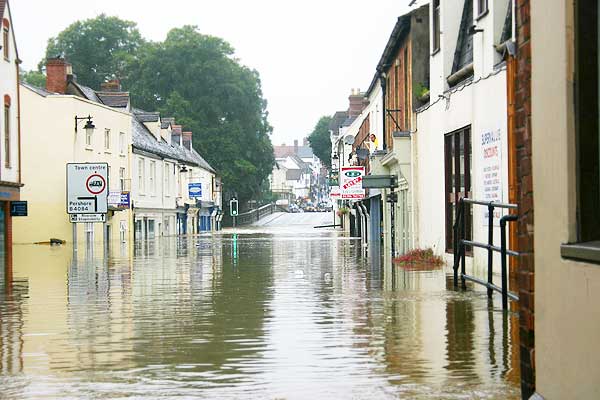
x: 281, y: 311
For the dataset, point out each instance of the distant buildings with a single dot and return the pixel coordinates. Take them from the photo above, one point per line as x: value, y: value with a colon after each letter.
x: 297, y: 173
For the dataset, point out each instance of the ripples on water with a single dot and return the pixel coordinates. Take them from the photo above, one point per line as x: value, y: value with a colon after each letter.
x: 255, y: 315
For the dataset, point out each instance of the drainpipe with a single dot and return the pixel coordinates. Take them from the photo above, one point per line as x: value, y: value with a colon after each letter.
x: 382, y: 78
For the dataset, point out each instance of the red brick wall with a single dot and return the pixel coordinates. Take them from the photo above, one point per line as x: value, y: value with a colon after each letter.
x: 395, y: 98
x: 525, y: 199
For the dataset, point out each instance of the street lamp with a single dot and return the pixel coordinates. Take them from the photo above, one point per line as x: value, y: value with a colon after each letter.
x: 89, y: 125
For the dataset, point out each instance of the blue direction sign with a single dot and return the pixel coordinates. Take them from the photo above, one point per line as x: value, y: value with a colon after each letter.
x: 195, y: 190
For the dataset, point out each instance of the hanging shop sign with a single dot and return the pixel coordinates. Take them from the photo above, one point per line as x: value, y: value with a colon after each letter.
x: 119, y: 200
x: 351, y: 182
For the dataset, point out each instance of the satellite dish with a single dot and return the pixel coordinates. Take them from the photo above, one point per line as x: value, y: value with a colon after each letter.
x: 349, y: 139
x: 362, y: 154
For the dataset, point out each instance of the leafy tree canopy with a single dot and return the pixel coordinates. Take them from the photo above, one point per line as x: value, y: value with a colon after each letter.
x: 34, y: 78
x: 320, y: 141
x: 190, y: 76
x: 99, y: 48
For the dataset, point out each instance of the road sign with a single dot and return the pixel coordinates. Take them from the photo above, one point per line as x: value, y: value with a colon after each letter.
x: 351, y: 182
x: 80, y: 218
x: 87, y: 188
x: 195, y: 190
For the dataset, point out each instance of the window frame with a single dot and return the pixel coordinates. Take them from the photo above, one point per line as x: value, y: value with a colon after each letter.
x: 107, y: 139
x: 142, y: 175
x: 122, y: 178
x: 152, y: 177
x: 483, y: 8
x: 5, y: 42
x: 89, y: 138
x: 452, y: 192
x: 122, y: 145
x: 7, y: 127
x: 587, y: 132
x: 435, y: 26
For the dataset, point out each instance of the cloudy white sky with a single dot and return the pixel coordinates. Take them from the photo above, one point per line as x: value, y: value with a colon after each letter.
x: 309, y: 53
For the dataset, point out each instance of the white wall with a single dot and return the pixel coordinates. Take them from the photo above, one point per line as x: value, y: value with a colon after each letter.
x: 9, y: 86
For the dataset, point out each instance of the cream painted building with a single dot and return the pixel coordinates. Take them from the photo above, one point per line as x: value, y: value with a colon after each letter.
x: 53, y: 139
x: 566, y: 194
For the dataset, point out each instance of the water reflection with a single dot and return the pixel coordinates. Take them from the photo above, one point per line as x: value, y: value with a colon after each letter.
x: 258, y: 314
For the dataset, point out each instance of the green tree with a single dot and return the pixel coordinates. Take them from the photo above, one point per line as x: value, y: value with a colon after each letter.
x: 34, y: 78
x: 320, y: 141
x: 196, y: 79
x: 99, y: 48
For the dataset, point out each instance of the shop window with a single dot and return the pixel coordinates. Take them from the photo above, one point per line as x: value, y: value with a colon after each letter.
x: 457, y: 150
x: 588, y: 134
x: 151, y: 233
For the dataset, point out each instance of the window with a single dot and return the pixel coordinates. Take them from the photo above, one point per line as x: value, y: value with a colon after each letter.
x: 457, y: 151
x: 89, y: 232
x: 122, y: 145
x: 7, y: 131
x: 88, y: 137
x: 587, y: 125
x: 122, y: 179
x: 152, y: 177
x: 482, y: 8
x: 5, y: 39
x: 151, y: 233
x: 141, y: 175
x: 406, y: 105
x: 436, y: 25
x: 167, y: 179
x: 107, y: 139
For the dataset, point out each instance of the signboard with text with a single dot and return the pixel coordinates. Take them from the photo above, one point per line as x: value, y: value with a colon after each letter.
x: 195, y: 190
x: 119, y: 199
x: 87, y: 218
x: 87, y: 188
x: 351, y: 182
x: 491, y: 169
x: 335, y: 193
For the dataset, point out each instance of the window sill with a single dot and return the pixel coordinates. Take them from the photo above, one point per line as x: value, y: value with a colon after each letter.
x: 587, y: 251
x: 123, y: 155
x: 89, y: 148
x: 107, y: 152
x: 483, y: 14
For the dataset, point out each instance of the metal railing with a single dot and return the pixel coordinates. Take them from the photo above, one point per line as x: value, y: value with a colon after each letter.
x: 255, y: 215
x: 460, y: 244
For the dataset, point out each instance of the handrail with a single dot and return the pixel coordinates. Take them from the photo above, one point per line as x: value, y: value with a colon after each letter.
x: 460, y: 243
x: 255, y: 215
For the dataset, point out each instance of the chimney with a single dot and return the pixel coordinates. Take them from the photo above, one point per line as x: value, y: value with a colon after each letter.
x: 58, y: 72
x: 357, y: 103
x: 114, y: 85
x: 176, y: 135
x: 305, y: 142
x: 295, y: 146
x: 187, y: 140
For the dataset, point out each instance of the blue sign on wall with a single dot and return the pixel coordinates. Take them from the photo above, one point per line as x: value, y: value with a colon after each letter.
x: 195, y: 190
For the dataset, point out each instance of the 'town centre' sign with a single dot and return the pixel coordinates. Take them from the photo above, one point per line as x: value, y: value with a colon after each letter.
x: 87, y: 188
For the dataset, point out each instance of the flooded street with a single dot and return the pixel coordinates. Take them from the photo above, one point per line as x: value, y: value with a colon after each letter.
x: 279, y: 311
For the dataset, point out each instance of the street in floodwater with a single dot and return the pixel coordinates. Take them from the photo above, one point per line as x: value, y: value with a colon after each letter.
x: 278, y: 311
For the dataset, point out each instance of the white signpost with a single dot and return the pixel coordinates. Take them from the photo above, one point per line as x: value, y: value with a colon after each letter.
x: 351, y: 182
x: 87, y: 191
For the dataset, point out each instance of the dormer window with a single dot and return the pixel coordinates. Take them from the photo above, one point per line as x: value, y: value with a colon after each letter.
x: 5, y: 41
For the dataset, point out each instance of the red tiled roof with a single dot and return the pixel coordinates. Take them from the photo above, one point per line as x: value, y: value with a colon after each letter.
x: 283, y: 151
